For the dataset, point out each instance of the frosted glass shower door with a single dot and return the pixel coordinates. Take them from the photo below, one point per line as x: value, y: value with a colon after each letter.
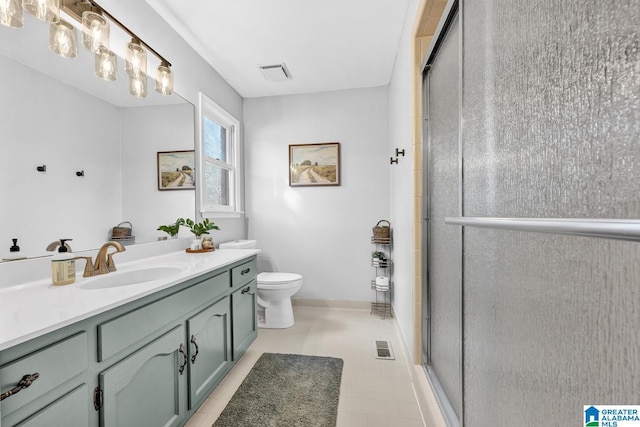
x: 442, y: 333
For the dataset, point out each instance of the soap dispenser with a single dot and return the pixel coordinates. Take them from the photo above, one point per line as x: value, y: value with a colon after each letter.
x: 63, y: 266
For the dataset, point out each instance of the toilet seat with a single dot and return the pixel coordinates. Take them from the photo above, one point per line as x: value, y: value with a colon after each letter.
x: 276, y: 280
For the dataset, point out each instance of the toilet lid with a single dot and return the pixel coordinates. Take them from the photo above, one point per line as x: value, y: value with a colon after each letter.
x: 277, y: 278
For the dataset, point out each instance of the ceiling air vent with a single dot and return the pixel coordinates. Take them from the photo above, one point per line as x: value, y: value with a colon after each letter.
x: 275, y: 73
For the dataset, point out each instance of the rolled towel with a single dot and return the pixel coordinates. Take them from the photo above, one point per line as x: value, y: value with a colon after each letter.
x: 382, y: 281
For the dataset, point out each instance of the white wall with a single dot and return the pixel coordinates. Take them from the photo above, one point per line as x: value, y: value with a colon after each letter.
x: 402, y: 177
x: 145, y: 131
x: 322, y: 233
x: 192, y: 74
x: 47, y: 122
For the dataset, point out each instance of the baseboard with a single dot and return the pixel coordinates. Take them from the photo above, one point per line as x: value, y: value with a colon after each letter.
x: 310, y: 302
x: 431, y: 415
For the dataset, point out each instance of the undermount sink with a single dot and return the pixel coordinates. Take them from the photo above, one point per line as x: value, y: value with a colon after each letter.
x: 135, y: 276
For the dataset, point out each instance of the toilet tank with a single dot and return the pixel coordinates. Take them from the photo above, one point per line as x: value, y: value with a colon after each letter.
x: 239, y: 244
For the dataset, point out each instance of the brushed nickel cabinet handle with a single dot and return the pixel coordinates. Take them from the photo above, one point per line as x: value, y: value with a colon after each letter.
x: 25, y: 382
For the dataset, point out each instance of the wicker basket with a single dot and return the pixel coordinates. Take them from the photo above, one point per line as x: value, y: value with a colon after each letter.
x: 382, y: 232
x: 120, y: 232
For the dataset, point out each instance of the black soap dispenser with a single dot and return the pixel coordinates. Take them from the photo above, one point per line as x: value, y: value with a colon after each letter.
x: 63, y: 266
x: 15, y: 247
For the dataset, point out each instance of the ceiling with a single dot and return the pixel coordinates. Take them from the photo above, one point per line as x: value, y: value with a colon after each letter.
x: 326, y: 45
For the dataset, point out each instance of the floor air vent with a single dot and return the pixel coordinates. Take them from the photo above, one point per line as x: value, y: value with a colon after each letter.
x: 384, y: 351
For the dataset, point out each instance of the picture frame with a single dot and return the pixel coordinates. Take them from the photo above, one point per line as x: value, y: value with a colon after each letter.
x: 314, y: 165
x: 176, y: 170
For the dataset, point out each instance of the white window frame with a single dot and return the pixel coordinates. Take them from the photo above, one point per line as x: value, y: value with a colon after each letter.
x: 208, y: 108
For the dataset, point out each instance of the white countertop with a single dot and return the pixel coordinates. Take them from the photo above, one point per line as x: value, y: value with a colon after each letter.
x: 33, y: 309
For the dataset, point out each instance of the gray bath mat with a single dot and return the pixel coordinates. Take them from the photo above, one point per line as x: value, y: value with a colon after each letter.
x: 286, y: 390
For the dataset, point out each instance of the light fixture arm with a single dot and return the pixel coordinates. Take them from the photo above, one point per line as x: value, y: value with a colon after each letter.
x: 74, y: 8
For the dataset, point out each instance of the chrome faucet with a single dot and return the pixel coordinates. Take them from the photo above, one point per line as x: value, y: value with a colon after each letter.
x: 104, y: 261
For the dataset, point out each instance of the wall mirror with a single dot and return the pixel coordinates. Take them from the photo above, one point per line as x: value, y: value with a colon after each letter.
x: 97, y: 142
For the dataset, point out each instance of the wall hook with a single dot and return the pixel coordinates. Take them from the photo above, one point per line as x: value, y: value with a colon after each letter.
x: 399, y: 152
x: 42, y: 168
x: 80, y: 173
x: 392, y: 160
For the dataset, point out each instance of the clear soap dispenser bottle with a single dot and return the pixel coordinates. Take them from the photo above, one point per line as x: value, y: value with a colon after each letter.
x: 63, y: 266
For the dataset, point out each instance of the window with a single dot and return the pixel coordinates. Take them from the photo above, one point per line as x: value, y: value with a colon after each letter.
x: 219, y: 160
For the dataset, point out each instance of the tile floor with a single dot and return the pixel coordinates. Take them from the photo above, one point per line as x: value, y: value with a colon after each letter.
x: 374, y: 393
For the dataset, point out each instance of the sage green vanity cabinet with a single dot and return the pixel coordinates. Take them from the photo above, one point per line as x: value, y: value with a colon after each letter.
x: 54, y: 365
x: 145, y: 389
x: 59, y: 367
x: 209, y: 335
x: 72, y: 409
x: 150, y: 362
x: 124, y: 331
x: 244, y: 273
x: 245, y: 322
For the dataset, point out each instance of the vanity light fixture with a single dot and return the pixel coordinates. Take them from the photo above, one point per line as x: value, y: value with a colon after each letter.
x: 62, y: 39
x: 95, y: 23
x: 95, y: 31
x: 164, y: 79
x: 11, y: 13
x: 138, y: 85
x: 44, y: 10
x: 106, y: 64
x: 135, y: 59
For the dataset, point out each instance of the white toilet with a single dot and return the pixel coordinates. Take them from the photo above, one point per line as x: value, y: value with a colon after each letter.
x: 274, y: 292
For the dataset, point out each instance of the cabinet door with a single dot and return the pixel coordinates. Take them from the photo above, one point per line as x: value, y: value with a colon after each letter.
x: 245, y: 324
x: 209, y: 349
x: 145, y: 389
x: 71, y: 409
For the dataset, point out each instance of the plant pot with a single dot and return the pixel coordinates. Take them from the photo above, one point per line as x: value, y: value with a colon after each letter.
x: 196, y: 244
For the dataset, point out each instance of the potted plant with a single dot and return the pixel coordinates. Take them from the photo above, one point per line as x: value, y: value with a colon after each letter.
x: 198, y: 229
x: 172, y: 229
x: 379, y: 259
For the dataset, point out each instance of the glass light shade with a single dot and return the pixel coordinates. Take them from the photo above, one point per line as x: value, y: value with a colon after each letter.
x: 62, y: 39
x: 44, y: 10
x: 164, y: 80
x: 138, y: 86
x: 95, y: 31
x: 106, y: 66
x: 11, y: 13
x: 136, y: 60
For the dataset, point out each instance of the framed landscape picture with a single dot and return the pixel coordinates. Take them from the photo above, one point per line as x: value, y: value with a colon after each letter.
x: 176, y: 170
x: 313, y: 165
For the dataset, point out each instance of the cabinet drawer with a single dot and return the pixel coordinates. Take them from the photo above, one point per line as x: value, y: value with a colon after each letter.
x: 244, y: 273
x: 124, y: 331
x: 55, y: 365
x: 70, y: 410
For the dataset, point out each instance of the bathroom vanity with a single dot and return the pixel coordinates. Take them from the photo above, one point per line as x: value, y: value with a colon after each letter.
x: 112, y: 350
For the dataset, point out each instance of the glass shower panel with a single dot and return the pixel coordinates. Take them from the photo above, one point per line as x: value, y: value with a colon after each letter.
x: 444, y: 251
x: 551, y: 124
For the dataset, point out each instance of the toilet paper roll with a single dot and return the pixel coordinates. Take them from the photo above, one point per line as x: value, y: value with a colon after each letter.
x: 382, y: 281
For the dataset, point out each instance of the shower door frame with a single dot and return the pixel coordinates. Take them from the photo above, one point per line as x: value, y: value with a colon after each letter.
x: 453, y: 10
